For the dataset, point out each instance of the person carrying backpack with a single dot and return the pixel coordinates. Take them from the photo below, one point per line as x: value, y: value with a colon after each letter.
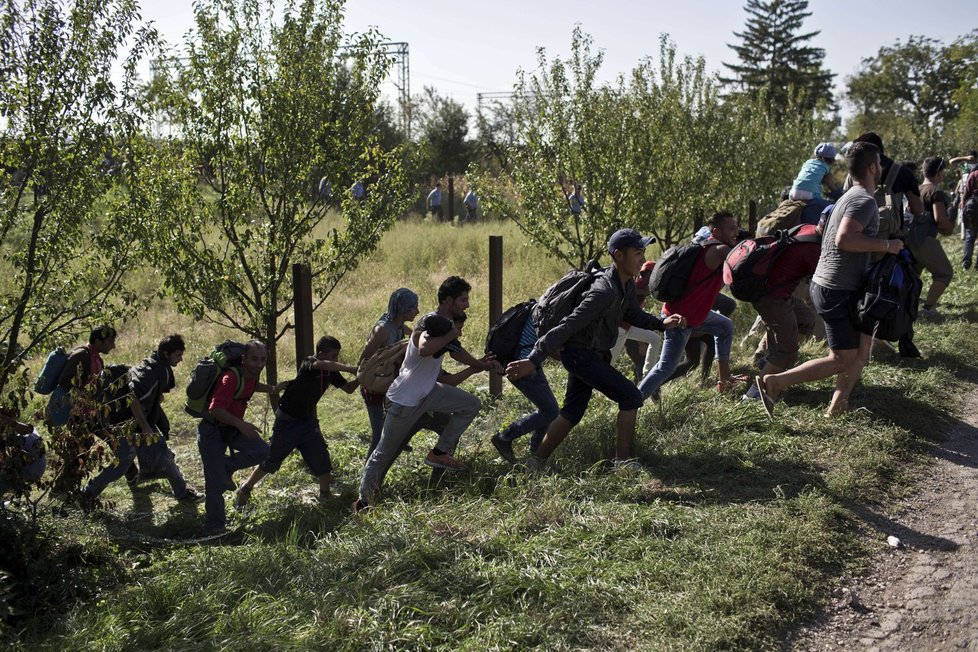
x: 140, y: 399
x: 402, y: 307
x: 296, y: 422
x: 584, y: 338
x: 422, y: 387
x: 224, y: 429
x: 73, y: 402
x: 896, y: 184
x: 696, y: 305
x: 784, y: 316
x: 850, y: 237
x: 537, y: 391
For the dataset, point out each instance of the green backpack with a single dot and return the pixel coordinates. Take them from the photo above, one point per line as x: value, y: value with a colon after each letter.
x: 785, y: 216
x: 224, y: 357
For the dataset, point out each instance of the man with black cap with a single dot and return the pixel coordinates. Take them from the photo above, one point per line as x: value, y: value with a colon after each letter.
x: 584, y: 339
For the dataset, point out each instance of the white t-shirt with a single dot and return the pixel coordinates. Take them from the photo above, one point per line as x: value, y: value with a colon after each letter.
x: 417, y: 377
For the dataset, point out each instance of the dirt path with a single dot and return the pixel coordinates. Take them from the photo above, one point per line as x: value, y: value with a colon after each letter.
x: 924, y: 594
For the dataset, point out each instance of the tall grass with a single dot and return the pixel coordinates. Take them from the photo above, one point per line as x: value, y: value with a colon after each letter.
x: 735, y: 537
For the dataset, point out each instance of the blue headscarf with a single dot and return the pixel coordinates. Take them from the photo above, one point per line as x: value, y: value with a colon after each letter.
x: 402, y: 300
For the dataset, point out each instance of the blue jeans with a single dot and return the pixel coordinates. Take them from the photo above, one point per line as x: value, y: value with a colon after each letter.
x: 590, y: 370
x: 152, y: 455
x: 970, y: 235
x: 213, y: 442
x: 674, y: 346
x: 400, y: 424
x: 537, y: 391
x: 376, y: 414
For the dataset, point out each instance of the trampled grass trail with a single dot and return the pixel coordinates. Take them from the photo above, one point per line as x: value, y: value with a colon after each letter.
x: 734, y: 538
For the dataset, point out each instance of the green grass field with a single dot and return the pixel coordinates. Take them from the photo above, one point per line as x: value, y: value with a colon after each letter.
x: 737, y: 536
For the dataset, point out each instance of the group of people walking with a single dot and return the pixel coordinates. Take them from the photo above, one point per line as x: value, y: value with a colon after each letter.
x: 833, y: 254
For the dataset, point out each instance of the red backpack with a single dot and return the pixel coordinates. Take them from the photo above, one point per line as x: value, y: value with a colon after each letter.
x: 749, y: 264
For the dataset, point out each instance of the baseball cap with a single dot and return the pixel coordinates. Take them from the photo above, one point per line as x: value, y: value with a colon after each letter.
x: 624, y: 238
x: 825, y: 150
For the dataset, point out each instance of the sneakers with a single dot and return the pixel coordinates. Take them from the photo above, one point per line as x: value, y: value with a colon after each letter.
x: 191, y: 496
x: 628, y: 466
x: 443, y: 461
x: 752, y: 393
x: 535, y: 464
x: 242, y: 496
x: 930, y: 313
x: 504, y: 448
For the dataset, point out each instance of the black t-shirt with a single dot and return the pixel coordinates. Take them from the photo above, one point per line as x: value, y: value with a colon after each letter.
x: 905, y: 181
x: 301, y: 396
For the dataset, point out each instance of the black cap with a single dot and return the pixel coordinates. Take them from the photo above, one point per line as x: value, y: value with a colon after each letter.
x: 623, y: 238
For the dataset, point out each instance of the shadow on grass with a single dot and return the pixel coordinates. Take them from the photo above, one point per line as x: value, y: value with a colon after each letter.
x: 962, y: 367
x: 712, y: 477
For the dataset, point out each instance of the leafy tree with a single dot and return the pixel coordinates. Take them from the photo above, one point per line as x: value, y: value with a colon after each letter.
x: 569, y: 129
x: 69, y: 231
x: 497, y: 134
x: 775, y: 58
x: 914, y: 91
x: 268, y: 99
x: 443, y: 135
x: 677, y: 126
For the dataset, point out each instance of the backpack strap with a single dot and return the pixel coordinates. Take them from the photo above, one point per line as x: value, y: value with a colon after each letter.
x: 239, y: 377
x: 891, y: 178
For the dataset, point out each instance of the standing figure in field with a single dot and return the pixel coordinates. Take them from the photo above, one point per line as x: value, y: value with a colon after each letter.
x: 433, y: 202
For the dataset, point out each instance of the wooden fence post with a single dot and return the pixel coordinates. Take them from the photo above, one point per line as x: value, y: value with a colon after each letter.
x: 451, y: 199
x: 302, y: 305
x: 495, y: 298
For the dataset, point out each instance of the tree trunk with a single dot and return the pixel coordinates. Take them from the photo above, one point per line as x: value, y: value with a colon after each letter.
x: 9, y: 365
x: 271, y: 365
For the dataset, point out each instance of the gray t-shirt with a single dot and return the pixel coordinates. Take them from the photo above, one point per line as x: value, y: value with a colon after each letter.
x: 843, y: 270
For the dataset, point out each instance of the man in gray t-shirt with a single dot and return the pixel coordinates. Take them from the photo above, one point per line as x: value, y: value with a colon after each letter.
x: 843, y: 270
x: 849, y: 239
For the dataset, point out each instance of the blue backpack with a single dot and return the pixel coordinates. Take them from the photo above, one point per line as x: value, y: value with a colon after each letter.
x: 54, y: 364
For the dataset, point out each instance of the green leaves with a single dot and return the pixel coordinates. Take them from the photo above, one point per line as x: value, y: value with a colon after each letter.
x: 65, y: 231
x: 660, y: 152
x: 267, y: 104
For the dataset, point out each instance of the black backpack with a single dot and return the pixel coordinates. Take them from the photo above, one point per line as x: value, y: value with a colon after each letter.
x: 670, y: 277
x: 886, y: 307
x: 114, y: 394
x: 562, y: 297
x: 503, y: 339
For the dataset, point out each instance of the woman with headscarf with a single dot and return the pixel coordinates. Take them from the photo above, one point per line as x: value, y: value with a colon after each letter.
x: 401, y: 307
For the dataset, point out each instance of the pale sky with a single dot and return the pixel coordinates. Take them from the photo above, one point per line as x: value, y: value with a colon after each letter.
x: 463, y: 48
